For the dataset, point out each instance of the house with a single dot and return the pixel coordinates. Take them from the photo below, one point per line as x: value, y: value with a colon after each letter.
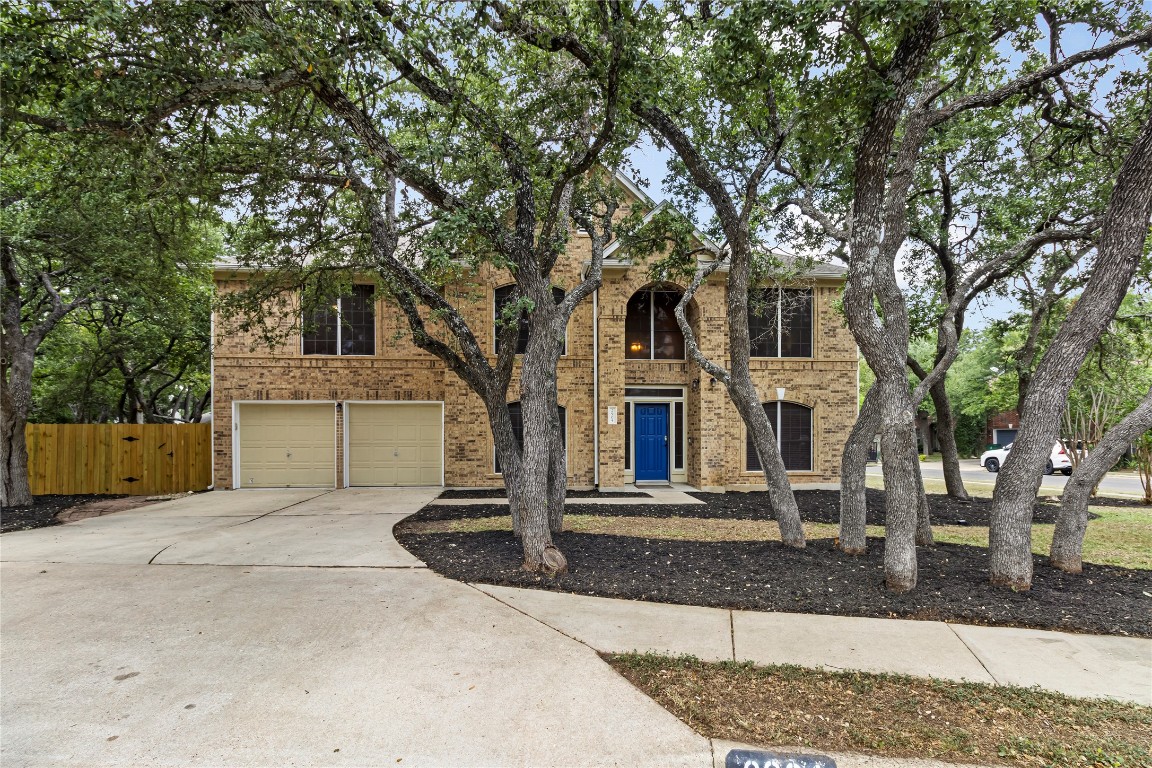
x: 355, y: 404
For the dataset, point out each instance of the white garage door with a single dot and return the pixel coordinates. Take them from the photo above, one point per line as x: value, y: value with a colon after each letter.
x: 287, y: 445
x: 395, y: 444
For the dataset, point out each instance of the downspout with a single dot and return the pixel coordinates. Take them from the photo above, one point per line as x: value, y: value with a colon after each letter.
x: 596, y: 388
x: 212, y: 382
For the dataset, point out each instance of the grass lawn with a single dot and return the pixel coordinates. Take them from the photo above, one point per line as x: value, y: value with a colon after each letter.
x: 892, y: 715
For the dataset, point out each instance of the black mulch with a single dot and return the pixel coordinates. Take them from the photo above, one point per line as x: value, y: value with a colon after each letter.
x: 500, y: 493
x: 44, y: 510
x: 767, y: 576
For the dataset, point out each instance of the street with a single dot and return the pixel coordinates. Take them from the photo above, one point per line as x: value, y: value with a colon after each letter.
x: 1122, y: 484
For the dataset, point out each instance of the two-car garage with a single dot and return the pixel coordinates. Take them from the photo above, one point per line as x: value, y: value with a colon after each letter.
x: 294, y: 444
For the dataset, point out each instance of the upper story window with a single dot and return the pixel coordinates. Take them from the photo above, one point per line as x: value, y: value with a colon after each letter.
x: 517, y: 417
x: 347, y: 327
x: 503, y: 296
x: 792, y: 425
x: 780, y: 322
x: 650, y: 328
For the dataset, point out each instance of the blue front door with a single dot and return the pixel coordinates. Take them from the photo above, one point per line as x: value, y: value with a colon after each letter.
x: 651, y: 442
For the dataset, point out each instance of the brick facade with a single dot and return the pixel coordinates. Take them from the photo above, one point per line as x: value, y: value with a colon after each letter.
x: 714, y: 446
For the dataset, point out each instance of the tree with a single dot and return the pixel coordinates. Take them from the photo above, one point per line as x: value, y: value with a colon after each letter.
x: 1072, y: 520
x: 140, y: 353
x: 1122, y: 242
x: 926, y: 83
x: 398, y: 141
x: 83, y: 219
x: 716, y: 103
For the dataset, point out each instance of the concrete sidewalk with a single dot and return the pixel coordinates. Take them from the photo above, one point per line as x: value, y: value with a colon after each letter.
x: 1078, y: 665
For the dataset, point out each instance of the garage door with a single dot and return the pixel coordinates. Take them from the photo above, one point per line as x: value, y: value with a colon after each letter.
x: 287, y: 445
x: 395, y: 444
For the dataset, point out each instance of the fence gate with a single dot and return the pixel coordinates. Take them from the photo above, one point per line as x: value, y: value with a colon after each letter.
x: 134, y: 459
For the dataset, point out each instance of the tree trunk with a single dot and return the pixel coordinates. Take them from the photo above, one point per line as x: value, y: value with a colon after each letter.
x: 541, y: 430
x: 15, y: 402
x: 507, y: 451
x: 1123, y: 233
x: 557, y: 469
x: 903, y: 488
x: 780, y: 495
x: 946, y: 434
x: 924, y: 536
x: 853, y: 476
x: 742, y: 391
x: 1072, y: 520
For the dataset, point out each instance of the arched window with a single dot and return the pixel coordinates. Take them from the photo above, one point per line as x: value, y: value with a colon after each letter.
x: 792, y: 425
x: 650, y: 328
x: 503, y: 296
x: 517, y: 417
x: 780, y: 322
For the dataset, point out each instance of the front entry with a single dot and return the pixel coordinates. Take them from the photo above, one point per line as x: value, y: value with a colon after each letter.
x: 651, y: 442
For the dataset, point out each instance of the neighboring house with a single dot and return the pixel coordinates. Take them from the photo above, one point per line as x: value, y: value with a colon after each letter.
x: 1002, y: 428
x: 355, y: 404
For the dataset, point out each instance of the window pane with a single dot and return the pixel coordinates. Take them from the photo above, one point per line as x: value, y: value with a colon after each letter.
x: 638, y: 327
x: 796, y: 437
x: 796, y: 323
x: 320, y: 332
x: 751, y: 458
x: 358, y: 333
x: 517, y: 418
x: 517, y: 429
x: 503, y: 296
x: 678, y: 448
x: 667, y: 340
x: 762, y: 315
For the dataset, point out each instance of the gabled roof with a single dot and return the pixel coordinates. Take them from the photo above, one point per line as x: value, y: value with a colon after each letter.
x: 612, y: 259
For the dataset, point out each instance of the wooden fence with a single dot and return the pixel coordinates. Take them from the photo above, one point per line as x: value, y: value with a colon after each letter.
x: 135, y: 459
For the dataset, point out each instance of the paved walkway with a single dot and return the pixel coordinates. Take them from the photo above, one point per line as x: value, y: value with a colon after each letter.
x: 1078, y: 665
x: 289, y: 628
x: 656, y: 495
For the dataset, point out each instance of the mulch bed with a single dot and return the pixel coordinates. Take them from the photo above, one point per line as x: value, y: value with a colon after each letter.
x: 767, y: 576
x: 500, y: 493
x: 44, y: 510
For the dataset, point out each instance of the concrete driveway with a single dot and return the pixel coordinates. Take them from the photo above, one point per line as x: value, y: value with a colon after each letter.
x: 277, y: 628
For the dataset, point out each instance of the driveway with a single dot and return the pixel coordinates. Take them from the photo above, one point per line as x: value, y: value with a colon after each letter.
x: 277, y: 628
x: 1121, y: 484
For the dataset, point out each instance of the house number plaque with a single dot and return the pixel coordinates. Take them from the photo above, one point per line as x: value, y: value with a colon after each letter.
x: 752, y: 758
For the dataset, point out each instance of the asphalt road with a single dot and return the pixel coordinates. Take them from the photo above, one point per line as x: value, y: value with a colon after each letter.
x: 1114, y: 484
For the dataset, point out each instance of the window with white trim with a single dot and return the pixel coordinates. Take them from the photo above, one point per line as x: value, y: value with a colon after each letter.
x: 780, y: 322
x: 650, y: 328
x: 347, y: 327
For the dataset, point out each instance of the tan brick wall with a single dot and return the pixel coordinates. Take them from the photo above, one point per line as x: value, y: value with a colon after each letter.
x: 715, y: 439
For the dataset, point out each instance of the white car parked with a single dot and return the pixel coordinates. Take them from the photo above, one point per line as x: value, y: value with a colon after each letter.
x: 992, y: 459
